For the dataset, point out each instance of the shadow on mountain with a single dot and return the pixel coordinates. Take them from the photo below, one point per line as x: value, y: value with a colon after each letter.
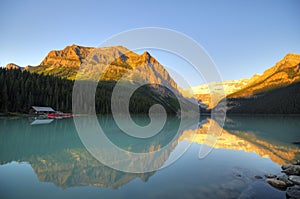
x: 285, y: 100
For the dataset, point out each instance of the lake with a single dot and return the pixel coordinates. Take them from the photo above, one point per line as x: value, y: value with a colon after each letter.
x: 48, y: 159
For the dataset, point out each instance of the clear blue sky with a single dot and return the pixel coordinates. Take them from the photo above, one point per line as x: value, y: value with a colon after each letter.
x: 242, y: 37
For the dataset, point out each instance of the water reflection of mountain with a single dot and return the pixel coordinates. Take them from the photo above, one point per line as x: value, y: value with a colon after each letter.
x: 274, y: 135
x: 76, y: 167
x: 57, y: 155
x: 269, y: 137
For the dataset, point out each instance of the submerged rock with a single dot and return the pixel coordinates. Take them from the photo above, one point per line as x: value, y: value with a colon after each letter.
x: 237, y: 174
x: 293, y: 192
x: 286, y: 166
x: 292, y: 170
x: 270, y: 175
x: 258, y: 177
x: 277, y: 184
x: 288, y: 181
x: 297, y: 162
x: 295, y: 179
x: 285, y: 179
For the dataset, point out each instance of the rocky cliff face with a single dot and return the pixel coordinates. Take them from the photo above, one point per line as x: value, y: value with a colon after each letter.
x: 63, y: 63
x: 107, y: 63
x: 138, y: 68
x: 71, y: 56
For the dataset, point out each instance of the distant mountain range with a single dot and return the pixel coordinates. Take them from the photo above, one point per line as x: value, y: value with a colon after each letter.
x: 203, y: 92
x: 275, y: 91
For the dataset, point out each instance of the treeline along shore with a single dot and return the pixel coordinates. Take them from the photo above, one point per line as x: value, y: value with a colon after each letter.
x: 21, y: 89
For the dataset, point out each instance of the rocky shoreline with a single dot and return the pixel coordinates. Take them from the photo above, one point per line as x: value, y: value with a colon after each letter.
x: 288, y: 181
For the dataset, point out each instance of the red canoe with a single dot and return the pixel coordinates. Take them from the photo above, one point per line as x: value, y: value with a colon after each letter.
x: 59, y: 115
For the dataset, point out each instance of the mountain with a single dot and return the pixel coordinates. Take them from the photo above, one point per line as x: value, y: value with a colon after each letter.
x: 283, y: 100
x: 106, y: 66
x: 63, y: 63
x: 229, y: 86
x: 276, y: 91
x: 111, y: 64
x: 148, y: 69
x: 106, y: 63
x: 12, y: 66
x: 203, y: 92
x: 28, y: 67
x: 284, y: 73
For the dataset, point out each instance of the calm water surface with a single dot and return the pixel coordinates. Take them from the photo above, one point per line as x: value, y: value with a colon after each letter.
x: 46, y: 159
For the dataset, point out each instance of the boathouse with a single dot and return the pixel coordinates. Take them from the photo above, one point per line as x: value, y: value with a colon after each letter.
x: 38, y: 110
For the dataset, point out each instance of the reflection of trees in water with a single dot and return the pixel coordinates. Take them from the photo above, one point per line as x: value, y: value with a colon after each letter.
x: 137, y: 145
x: 58, y: 156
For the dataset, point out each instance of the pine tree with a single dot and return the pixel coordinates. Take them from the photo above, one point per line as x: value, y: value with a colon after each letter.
x: 4, y: 98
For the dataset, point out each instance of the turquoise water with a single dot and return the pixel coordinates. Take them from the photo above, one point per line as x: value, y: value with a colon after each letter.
x: 47, y: 159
